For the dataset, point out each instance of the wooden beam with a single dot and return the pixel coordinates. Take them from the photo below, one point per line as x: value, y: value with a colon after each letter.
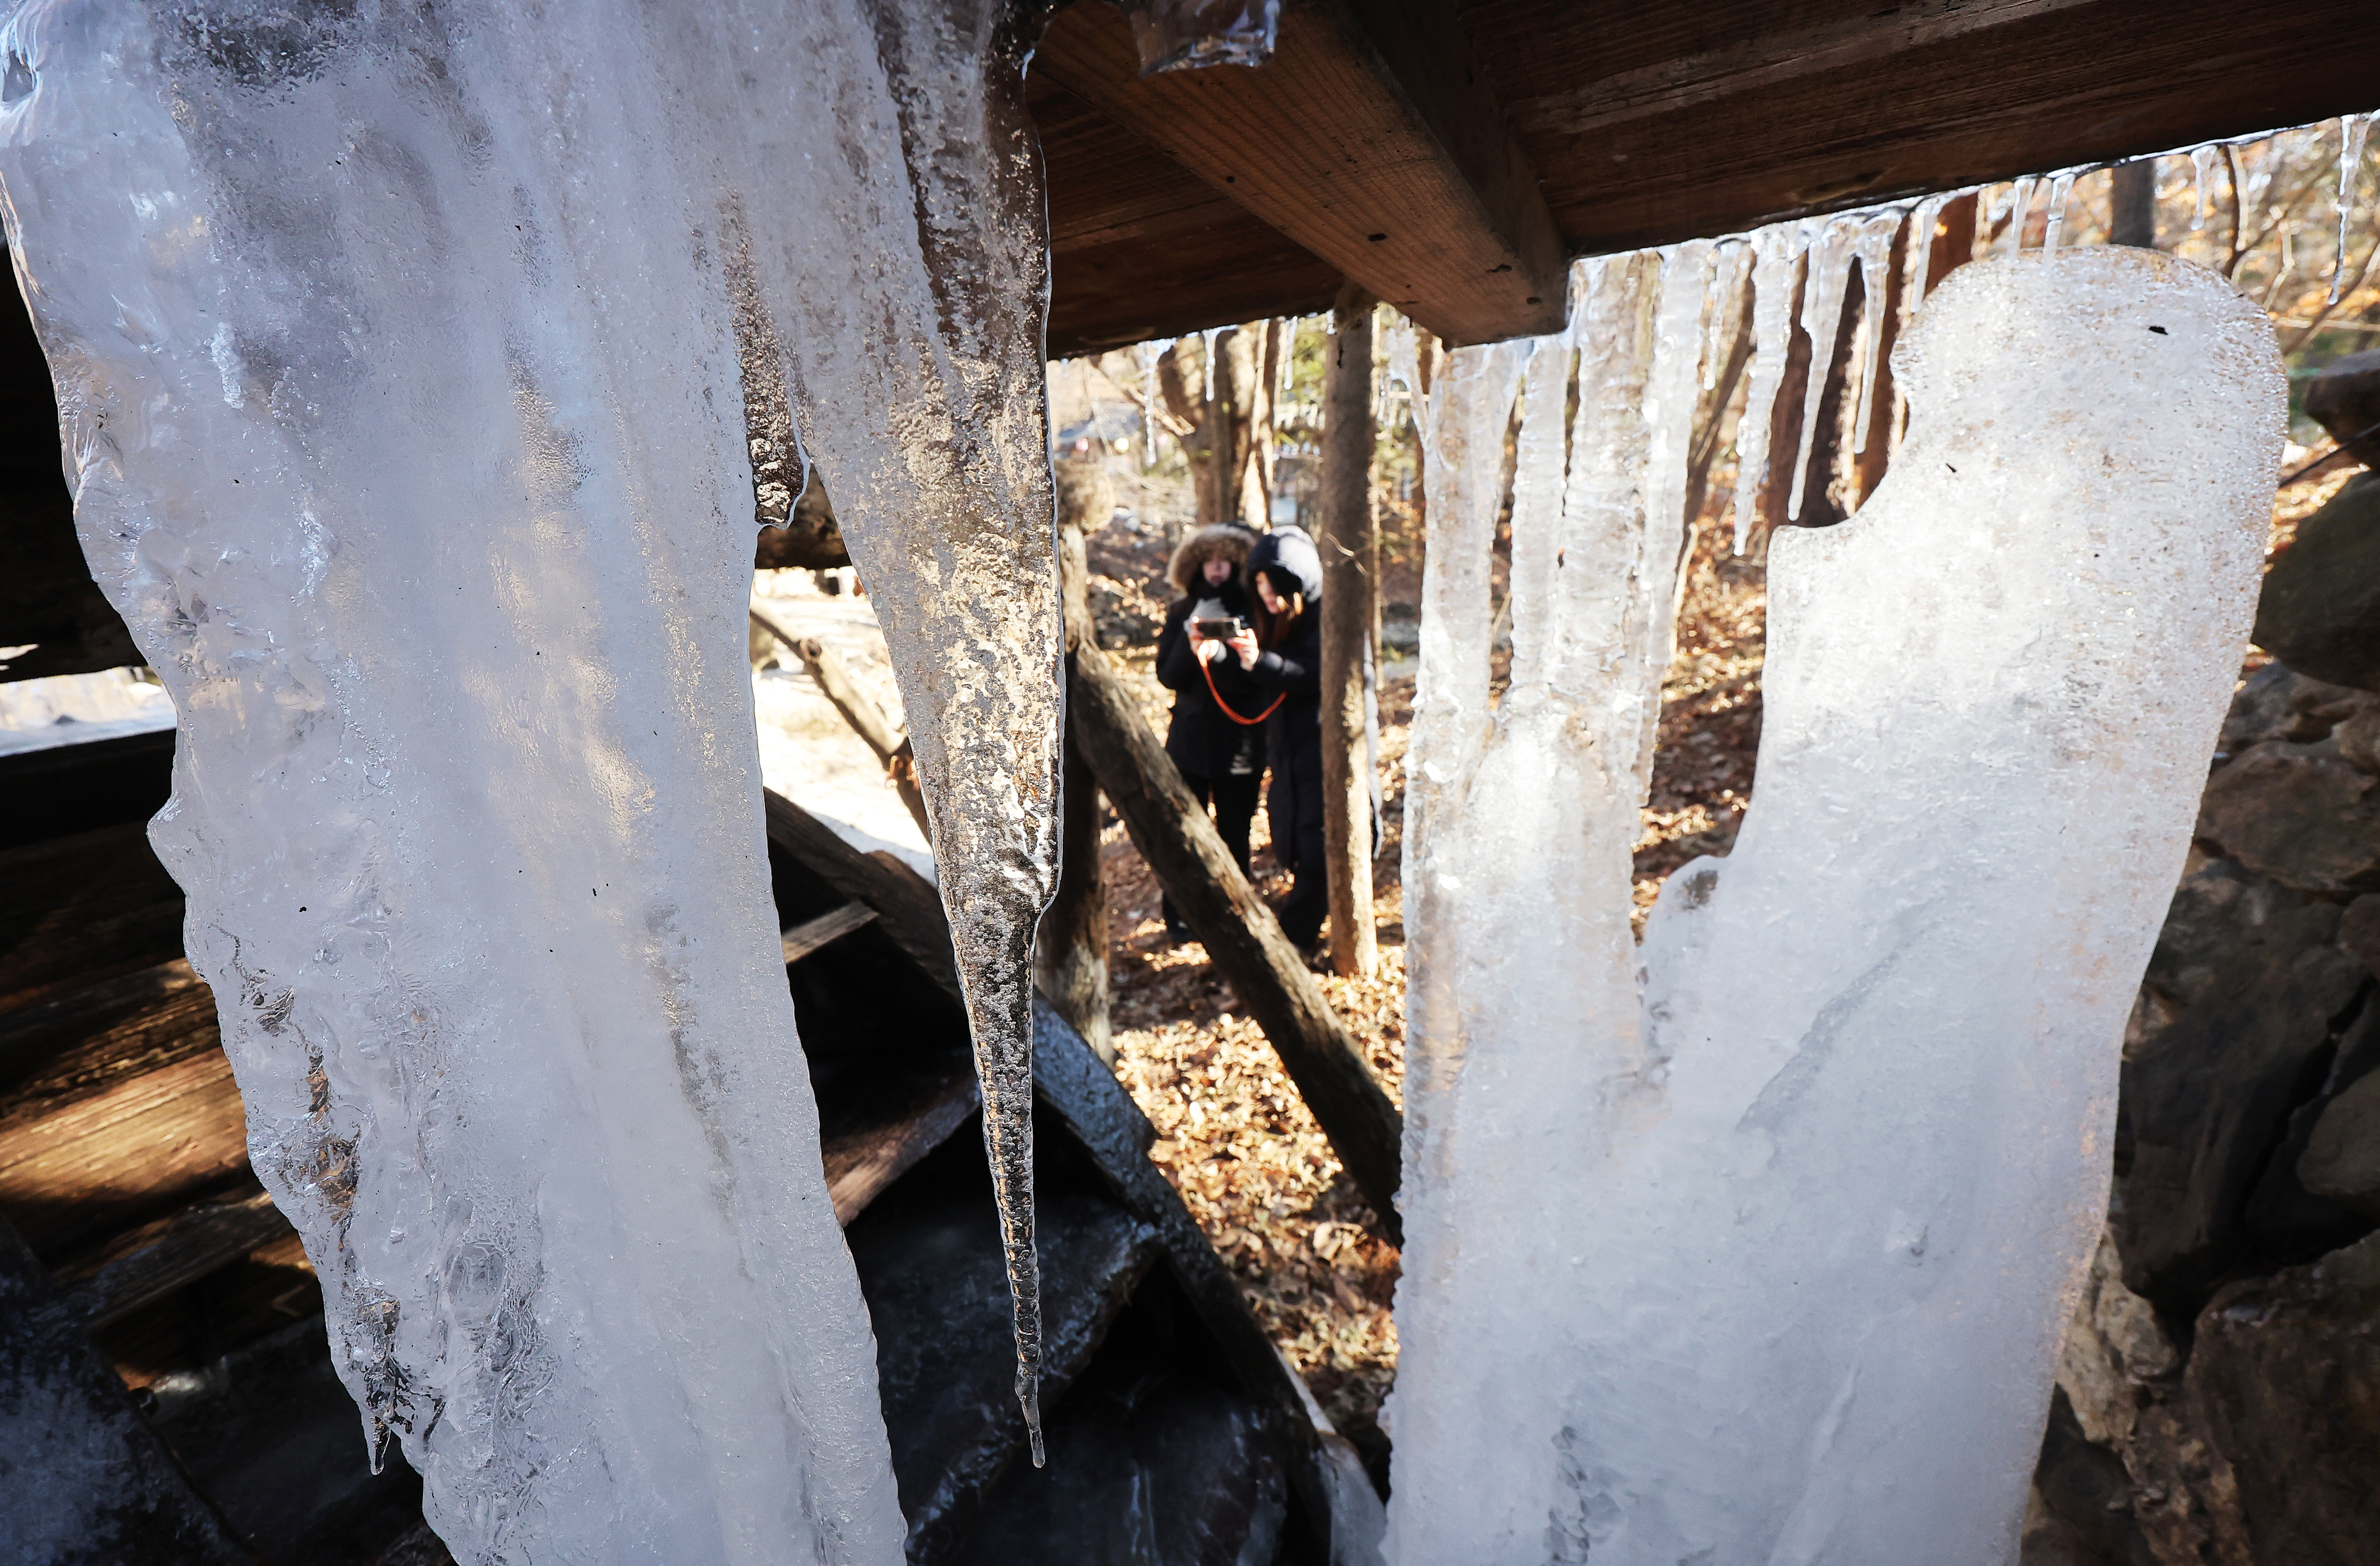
x: 1239, y: 931
x: 1647, y: 132
x: 152, y: 1261
x: 908, y: 905
x: 812, y: 935
x: 860, y: 1164
x: 1371, y: 139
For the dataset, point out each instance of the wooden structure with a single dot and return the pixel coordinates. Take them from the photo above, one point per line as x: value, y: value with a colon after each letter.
x: 135, y: 1236
x: 1451, y: 156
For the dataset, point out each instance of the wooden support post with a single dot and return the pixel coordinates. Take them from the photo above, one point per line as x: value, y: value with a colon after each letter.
x: 1348, y: 547
x: 858, y: 710
x: 1069, y: 946
x: 87, y: 1479
x: 1238, y: 930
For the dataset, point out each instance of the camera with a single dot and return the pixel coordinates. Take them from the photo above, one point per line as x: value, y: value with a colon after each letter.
x: 1219, y: 630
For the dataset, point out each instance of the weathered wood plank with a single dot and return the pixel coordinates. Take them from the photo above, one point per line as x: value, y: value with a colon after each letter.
x: 908, y: 905
x: 114, y: 1159
x: 860, y: 1164
x: 83, y: 1043
x: 1239, y: 931
x: 1074, y: 1084
x: 812, y: 935
x: 148, y: 1263
x: 1371, y: 139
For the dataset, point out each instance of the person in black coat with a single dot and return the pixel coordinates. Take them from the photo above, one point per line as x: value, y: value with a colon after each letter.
x: 1220, y: 755
x: 1284, y: 658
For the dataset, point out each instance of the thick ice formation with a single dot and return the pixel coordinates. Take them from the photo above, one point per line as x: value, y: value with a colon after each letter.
x: 405, y: 358
x: 1775, y: 1268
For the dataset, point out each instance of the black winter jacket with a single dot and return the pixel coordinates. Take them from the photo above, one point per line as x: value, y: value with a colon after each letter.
x: 1292, y: 668
x: 1202, y: 740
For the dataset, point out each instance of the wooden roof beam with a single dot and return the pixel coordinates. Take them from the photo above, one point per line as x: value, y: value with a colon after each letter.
x: 1371, y: 139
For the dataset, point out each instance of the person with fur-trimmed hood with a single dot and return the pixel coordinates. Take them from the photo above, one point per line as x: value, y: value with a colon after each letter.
x: 1283, y: 657
x: 1214, y: 738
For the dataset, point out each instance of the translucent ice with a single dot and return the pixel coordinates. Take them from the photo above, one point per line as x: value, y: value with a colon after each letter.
x: 1822, y: 316
x: 406, y: 358
x: 1775, y: 1268
x: 1776, y: 249
x: 2352, y: 130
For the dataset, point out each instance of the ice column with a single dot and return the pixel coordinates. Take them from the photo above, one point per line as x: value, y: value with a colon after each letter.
x: 1776, y: 249
x: 2352, y: 130
x: 405, y: 359
x: 1798, y: 1242
x: 1519, y: 826
x: 1822, y: 317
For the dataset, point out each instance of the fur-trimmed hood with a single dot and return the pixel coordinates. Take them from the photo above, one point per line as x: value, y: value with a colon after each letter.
x: 1224, y: 540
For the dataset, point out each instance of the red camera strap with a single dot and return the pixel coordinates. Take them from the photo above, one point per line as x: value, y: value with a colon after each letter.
x: 1245, y: 723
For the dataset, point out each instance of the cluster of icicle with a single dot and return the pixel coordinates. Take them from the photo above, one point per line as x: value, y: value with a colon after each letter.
x: 1758, y: 1243
x: 414, y: 362
x: 1833, y: 244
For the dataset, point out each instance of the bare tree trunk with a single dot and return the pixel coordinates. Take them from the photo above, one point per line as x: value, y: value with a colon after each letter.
x: 1256, y: 372
x: 1070, y: 947
x: 1347, y: 594
x: 1187, y: 401
x: 2131, y: 188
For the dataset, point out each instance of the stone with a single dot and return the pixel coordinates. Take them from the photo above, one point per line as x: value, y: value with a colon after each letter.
x: 2300, y: 814
x: 2288, y: 1220
x: 2344, y: 397
x: 2114, y: 1346
x: 2277, y: 702
x: 2207, y: 1100
x: 2320, y: 609
x: 2085, y: 1486
x: 2342, y: 1156
x: 2287, y: 1372
x: 2213, y: 909
x: 2359, y: 740
x: 2359, y: 931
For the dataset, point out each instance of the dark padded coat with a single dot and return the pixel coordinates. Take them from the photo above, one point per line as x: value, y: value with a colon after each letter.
x: 1292, y: 669
x: 1203, y: 742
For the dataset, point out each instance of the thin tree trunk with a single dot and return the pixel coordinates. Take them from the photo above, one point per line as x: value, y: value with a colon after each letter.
x: 2132, y: 191
x: 1347, y: 595
x: 1070, y: 947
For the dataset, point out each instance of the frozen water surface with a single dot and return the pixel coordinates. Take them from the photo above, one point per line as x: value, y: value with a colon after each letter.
x: 413, y: 364
x: 1773, y: 1265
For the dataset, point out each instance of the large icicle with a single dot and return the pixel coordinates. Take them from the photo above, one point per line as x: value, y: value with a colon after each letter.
x: 1873, y: 245
x: 1517, y: 862
x: 1777, y: 1270
x: 1775, y: 250
x: 2352, y: 130
x: 405, y: 357
x: 1822, y: 317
